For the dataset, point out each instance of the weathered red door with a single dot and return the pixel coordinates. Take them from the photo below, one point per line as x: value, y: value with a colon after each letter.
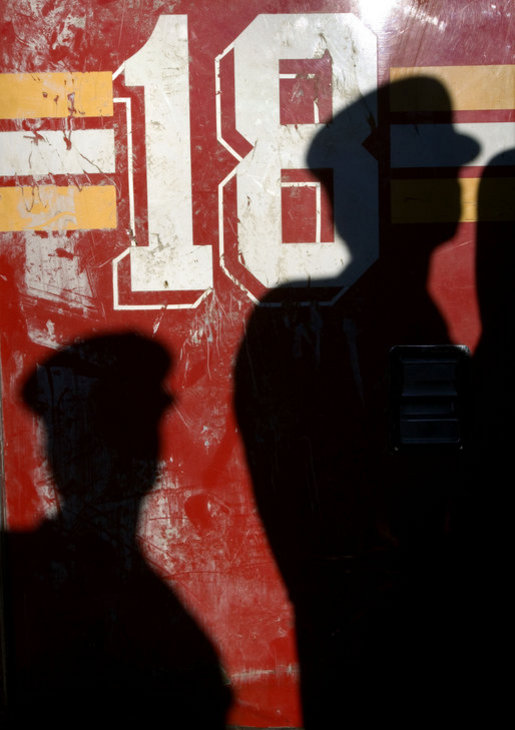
x: 166, y: 170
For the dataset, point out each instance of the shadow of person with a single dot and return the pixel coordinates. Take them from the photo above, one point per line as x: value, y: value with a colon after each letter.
x: 97, y: 637
x: 359, y: 534
x: 487, y: 517
x: 495, y: 355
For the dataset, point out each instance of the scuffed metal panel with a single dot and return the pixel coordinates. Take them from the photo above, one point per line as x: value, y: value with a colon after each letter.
x: 155, y: 176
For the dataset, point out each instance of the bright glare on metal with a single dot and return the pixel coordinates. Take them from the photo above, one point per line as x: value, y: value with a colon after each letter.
x: 375, y: 12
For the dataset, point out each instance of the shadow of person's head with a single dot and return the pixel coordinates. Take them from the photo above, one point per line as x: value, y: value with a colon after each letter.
x: 100, y: 400
x: 103, y: 632
x: 394, y: 141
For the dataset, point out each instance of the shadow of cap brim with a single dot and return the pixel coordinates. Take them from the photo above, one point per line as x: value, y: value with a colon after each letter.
x: 430, y: 145
x: 427, y: 96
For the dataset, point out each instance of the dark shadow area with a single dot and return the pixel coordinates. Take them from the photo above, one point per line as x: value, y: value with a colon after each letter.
x: 94, y: 635
x: 488, y: 527
x: 362, y: 536
x: 494, y: 361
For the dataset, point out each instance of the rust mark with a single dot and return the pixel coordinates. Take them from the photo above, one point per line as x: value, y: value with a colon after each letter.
x: 67, y: 136
x: 33, y: 191
x: 71, y: 103
x: 63, y: 253
x: 37, y: 138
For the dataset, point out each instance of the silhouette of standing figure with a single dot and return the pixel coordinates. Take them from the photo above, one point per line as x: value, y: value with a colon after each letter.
x: 358, y: 533
x: 487, y: 521
x: 97, y: 638
x: 494, y: 361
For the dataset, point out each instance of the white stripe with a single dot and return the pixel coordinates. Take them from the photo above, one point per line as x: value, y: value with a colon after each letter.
x: 318, y: 225
x: 299, y: 76
x: 119, y: 70
x: 46, y: 152
x: 130, y: 165
x: 300, y: 184
x: 218, y: 103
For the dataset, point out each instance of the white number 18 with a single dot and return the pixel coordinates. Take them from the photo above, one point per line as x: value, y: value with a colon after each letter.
x: 292, y: 74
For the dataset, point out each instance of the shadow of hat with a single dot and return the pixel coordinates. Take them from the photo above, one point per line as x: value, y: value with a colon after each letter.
x: 122, y: 372
x: 421, y: 103
x: 424, y: 100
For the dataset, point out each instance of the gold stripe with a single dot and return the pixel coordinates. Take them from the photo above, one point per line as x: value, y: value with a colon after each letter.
x: 31, y: 96
x: 57, y: 208
x: 435, y: 201
x: 470, y: 87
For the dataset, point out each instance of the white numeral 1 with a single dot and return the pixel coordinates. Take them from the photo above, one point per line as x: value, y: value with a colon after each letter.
x: 171, y: 261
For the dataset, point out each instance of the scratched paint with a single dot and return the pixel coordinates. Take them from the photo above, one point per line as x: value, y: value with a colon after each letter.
x: 53, y: 272
x: 54, y: 153
x: 165, y: 259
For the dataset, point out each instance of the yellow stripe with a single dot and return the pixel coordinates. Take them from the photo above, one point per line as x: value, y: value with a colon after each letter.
x: 30, y: 96
x: 435, y: 201
x: 470, y: 87
x: 53, y: 208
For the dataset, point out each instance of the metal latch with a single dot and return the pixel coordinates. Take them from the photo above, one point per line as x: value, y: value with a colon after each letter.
x: 428, y: 387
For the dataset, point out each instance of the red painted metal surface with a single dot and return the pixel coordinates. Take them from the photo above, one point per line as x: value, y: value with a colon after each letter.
x: 199, y: 529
